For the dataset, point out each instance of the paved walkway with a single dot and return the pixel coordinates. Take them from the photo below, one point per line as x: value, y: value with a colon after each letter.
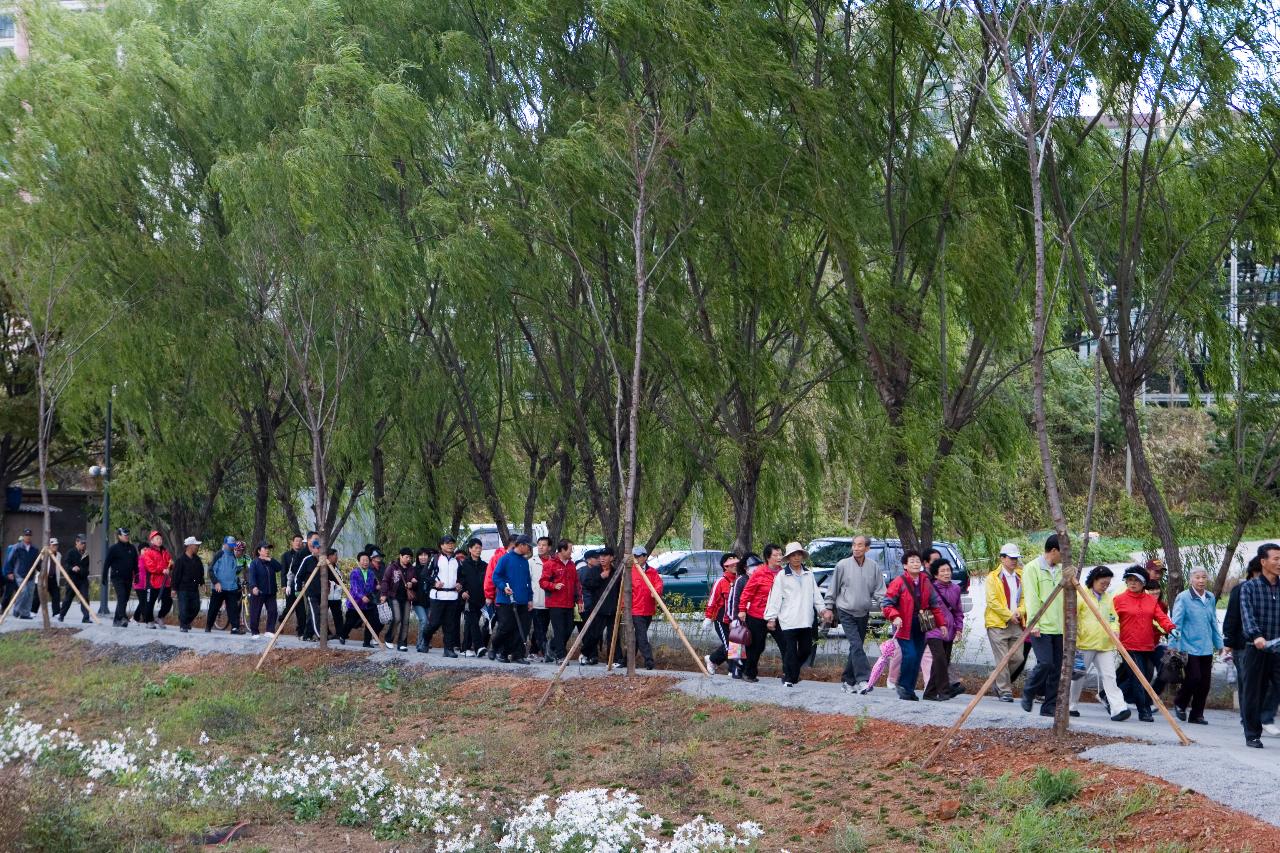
x: 1218, y: 765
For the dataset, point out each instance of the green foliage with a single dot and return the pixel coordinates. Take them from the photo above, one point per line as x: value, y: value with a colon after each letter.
x: 173, y: 682
x: 1052, y: 788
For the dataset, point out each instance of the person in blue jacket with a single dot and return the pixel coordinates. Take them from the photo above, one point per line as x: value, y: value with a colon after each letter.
x: 514, y: 586
x: 226, y: 587
x: 1195, y: 612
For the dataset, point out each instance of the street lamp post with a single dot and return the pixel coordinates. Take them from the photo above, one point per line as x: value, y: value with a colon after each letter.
x: 105, y: 473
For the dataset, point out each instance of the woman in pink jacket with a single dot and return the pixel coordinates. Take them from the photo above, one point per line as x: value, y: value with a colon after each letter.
x: 154, y: 564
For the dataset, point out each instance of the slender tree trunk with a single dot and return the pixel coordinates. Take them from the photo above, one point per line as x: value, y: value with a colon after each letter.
x: 744, y: 503
x: 378, y: 478
x: 321, y: 513
x: 46, y: 421
x: 261, y: 495
x: 1229, y: 553
x: 1161, y: 521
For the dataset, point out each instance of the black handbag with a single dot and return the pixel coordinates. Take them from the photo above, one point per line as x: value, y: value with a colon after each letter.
x: 1173, y: 669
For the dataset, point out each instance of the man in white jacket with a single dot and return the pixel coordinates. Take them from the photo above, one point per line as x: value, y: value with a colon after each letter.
x: 794, y: 602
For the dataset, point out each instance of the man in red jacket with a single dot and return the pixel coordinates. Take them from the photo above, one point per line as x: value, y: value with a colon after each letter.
x: 644, y: 604
x: 560, y: 581
x: 755, y: 595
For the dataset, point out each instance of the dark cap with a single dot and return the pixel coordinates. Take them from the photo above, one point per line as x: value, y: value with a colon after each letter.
x: 447, y: 538
x: 80, y: 538
x: 122, y: 531
x: 375, y: 554
x: 522, y: 539
x: 26, y: 531
x: 606, y: 551
x: 593, y: 554
x: 262, y: 545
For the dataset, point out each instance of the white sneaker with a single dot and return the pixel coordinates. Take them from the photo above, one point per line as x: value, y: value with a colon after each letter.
x: 162, y: 626
x: 389, y: 646
x: 1272, y: 729
x: 787, y: 684
x: 711, y: 668
x: 269, y: 635
x: 891, y: 684
x: 468, y: 654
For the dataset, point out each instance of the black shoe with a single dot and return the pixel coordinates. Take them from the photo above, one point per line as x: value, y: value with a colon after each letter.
x: 908, y: 695
x: 1028, y: 702
x: 1181, y: 712
x: 750, y: 678
x: 1121, y: 716
x: 1006, y: 697
x: 1048, y: 713
x: 1074, y: 713
x: 342, y: 640
x: 450, y: 653
x: 648, y: 665
x: 184, y: 629
x: 1199, y: 721
x: 1146, y: 718
x: 367, y: 644
x: 85, y: 621
x: 420, y: 650
x: 1255, y: 742
x: 591, y: 662
x: 938, y: 697
x: 62, y: 618
x: 524, y: 661
x: 208, y: 630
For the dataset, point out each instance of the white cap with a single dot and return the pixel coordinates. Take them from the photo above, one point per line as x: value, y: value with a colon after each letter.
x: 190, y: 540
x: 53, y: 541
x: 793, y: 547
x: 1009, y: 549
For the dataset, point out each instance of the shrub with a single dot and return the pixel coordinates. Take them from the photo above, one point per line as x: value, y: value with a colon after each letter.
x: 1052, y: 788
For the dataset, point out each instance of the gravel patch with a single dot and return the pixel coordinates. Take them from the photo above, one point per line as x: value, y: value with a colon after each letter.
x: 153, y: 653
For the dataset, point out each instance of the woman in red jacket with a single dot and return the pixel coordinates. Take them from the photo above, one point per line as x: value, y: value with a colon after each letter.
x: 1141, y: 617
x: 907, y: 597
x: 153, y: 571
x: 644, y: 604
x: 755, y: 595
x: 718, y: 612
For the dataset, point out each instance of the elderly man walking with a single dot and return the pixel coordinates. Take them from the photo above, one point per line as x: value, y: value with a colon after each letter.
x: 854, y: 591
x: 1006, y: 614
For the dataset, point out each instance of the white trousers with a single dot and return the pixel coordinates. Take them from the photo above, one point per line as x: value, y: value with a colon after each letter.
x: 1105, y: 664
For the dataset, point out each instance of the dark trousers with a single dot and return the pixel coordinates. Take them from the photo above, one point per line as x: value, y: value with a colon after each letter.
x: 561, y: 627
x: 300, y: 615
x: 256, y: 605
x: 1260, y: 680
x: 122, y: 588
x: 471, y: 639
x: 188, y: 606
x: 353, y: 622
x: 1134, y: 693
x: 912, y: 650
x: 598, y: 637
x: 147, y: 608
x: 166, y: 603
x: 1043, y: 680
x: 643, y: 650
x: 796, y: 644
x: 541, y: 624
x: 721, y: 652
x: 10, y: 590
x: 231, y: 600
x: 939, y: 681
x: 759, y: 631
x: 1194, y: 689
x: 69, y: 595
x: 856, y: 668
x: 442, y: 616
x: 315, y: 617
x: 512, y: 629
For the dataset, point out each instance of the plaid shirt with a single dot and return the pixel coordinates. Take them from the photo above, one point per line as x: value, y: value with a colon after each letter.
x: 1260, y: 609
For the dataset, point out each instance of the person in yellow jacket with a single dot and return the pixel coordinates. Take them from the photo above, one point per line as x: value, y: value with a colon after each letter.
x: 1005, y: 616
x: 1094, y: 647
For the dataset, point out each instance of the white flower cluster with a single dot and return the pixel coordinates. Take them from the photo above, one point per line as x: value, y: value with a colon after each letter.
x: 394, y: 793
x: 613, y: 821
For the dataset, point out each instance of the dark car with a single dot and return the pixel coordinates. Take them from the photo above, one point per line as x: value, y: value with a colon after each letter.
x: 824, y: 553
x: 690, y: 577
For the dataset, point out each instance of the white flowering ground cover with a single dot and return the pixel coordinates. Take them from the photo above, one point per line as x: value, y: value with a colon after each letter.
x: 395, y: 793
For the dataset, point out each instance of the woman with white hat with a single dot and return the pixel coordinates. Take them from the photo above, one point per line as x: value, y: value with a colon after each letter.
x: 793, y: 603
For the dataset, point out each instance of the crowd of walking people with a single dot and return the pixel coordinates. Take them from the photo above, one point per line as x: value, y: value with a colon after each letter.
x: 524, y: 603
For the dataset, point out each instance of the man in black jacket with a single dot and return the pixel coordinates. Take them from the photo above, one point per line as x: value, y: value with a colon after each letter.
x: 122, y: 565
x: 290, y: 581
x: 188, y: 577
x: 471, y: 574
x: 76, y: 565
x: 303, y: 572
x: 602, y: 628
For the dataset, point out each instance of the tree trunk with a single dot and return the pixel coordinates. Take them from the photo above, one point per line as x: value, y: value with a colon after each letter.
x: 1229, y: 553
x: 378, y: 477
x: 261, y: 494
x: 560, y: 511
x: 744, y: 503
x: 321, y: 485
x: 1161, y: 521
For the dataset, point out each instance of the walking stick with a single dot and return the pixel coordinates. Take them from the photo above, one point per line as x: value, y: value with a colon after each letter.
x: 18, y: 593
x: 698, y: 661
x: 1133, y: 667
x: 58, y: 565
x: 296, y: 601
x: 577, y: 641
x: 991, y: 679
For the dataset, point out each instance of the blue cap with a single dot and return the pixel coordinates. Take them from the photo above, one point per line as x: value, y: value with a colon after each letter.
x: 230, y: 540
x: 639, y: 551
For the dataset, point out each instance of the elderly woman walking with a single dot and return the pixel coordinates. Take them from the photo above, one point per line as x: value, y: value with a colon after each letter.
x: 938, y: 686
x: 1195, y: 613
x: 793, y: 605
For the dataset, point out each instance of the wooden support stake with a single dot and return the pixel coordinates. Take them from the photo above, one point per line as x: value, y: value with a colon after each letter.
x: 697, y: 659
x: 58, y: 564
x: 613, y: 639
x: 577, y: 641
x: 42, y: 587
x: 373, y: 635
x: 991, y: 679
x: 1133, y: 667
x: 296, y: 601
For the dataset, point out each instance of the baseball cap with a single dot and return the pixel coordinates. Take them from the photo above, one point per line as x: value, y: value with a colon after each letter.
x: 26, y: 531
x: 447, y: 538
x: 153, y: 534
x: 191, y: 540
x: 375, y: 554
x: 53, y: 540
x: 122, y: 531
x: 228, y: 540
x: 639, y: 551
x: 522, y: 539
x: 264, y: 544
x: 1009, y: 549
x: 80, y: 537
